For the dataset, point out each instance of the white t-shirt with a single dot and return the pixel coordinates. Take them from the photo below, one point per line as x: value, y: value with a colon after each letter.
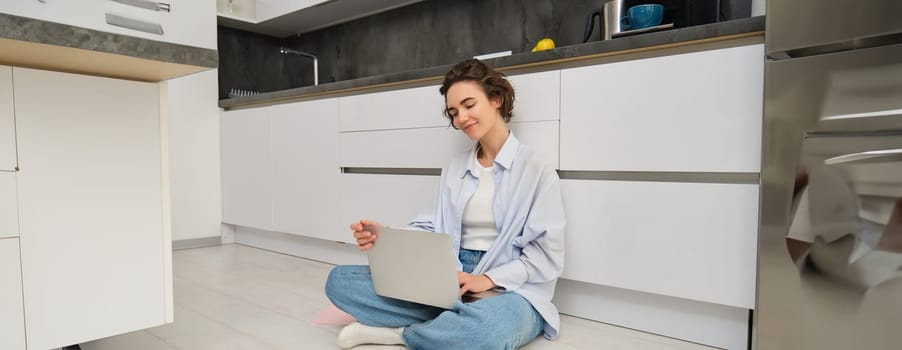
x: 479, y: 229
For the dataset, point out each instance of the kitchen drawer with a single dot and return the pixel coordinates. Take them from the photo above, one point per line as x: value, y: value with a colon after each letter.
x: 9, y: 212
x: 419, y: 107
x: 689, y: 240
x: 694, y: 112
x: 12, y: 316
x: 247, y: 169
x: 537, y: 96
x: 189, y: 22
x: 537, y: 99
x: 7, y: 121
x: 392, y: 200
x: 433, y: 147
x: 85, y: 13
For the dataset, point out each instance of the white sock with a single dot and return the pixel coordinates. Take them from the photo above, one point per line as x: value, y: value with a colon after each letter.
x: 355, y: 334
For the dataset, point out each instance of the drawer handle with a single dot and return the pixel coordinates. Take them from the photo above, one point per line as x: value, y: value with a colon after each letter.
x: 145, y: 4
x: 877, y: 114
x: 878, y: 156
x: 131, y: 23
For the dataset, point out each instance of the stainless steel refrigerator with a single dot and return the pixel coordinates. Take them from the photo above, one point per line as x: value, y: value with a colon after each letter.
x: 830, y: 247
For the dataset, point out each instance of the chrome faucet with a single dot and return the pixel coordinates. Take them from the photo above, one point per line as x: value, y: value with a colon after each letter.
x: 285, y: 50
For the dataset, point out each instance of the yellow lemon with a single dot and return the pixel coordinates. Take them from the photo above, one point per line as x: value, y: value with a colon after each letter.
x: 544, y: 44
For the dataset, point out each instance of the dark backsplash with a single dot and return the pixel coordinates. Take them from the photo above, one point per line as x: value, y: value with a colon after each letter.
x: 425, y: 34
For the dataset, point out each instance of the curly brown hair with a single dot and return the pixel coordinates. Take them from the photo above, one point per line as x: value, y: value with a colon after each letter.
x: 493, y: 83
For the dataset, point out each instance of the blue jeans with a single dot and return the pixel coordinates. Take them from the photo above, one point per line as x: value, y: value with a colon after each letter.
x: 506, y: 321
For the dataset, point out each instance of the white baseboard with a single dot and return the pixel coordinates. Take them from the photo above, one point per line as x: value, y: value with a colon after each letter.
x: 196, y: 243
x: 227, y: 233
x: 310, y: 248
x: 714, y: 325
x: 704, y: 323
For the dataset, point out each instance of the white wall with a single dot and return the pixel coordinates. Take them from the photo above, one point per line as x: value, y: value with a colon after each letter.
x: 194, y: 156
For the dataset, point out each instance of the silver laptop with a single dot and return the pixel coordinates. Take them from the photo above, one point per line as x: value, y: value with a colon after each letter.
x: 416, y: 266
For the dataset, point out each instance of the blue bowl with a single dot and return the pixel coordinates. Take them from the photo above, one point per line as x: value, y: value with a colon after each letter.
x: 644, y: 16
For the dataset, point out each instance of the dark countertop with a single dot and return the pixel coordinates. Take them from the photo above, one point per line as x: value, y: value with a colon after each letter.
x: 639, y: 41
x: 75, y: 43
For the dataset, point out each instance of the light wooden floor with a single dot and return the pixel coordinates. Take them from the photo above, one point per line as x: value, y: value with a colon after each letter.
x: 239, y: 297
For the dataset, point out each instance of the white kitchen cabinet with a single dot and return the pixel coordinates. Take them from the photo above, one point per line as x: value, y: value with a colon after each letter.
x: 7, y: 121
x: 247, y: 187
x: 305, y: 169
x: 689, y: 240
x: 433, y: 147
x: 282, y: 18
x: 93, y: 209
x: 537, y: 96
x: 188, y: 22
x: 9, y: 213
x: 541, y: 137
x: 392, y: 200
x: 537, y: 99
x: 268, y: 9
x: 419, y: 107
x: 401, y: 148
x: 693, y: 112
x: 12, y: 317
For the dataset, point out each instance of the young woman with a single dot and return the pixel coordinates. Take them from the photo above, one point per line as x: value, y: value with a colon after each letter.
x: 502, y: 207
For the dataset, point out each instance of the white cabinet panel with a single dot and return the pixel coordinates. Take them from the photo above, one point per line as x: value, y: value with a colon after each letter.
x: 9, y: 213
x: 404, y: 148
x: 397, y: 109
x: 392, y: 200
x: 85, y: 13
x: 537, y: 96
x: 189, y: 22
x: 247, y: 168
x: 305, y: 169
x: 697, y: 112
x: 91, y: 206
x: 542, y: 137
x: 7, y: 121
x: 12, y: 319
x: 433, y: 147
x: 688, y: 240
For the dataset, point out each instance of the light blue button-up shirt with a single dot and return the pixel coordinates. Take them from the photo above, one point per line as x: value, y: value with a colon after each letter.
x: 528, y: 255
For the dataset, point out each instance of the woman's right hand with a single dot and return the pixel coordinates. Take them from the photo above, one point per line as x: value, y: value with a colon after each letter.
x: 362, y: 233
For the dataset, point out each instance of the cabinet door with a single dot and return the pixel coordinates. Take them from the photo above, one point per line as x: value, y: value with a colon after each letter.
x: 247, y: 168
x: 695, y: 112
x: 537, y: 99
x: 188, y: 22
x: 7, y: 121
x: 91, y: 207
x: 688, y: 240
x: 84, y: 13
x: 9, y: 213
x: 538, y: 96
x: 433, y: 147
x: 392, y: 200
x: 12, y: 319
x: 401, y: 148
x: 305, y: 169
x: 422, y: 108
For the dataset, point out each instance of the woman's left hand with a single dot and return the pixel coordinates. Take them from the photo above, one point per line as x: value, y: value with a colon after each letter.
x: 474, y: 283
